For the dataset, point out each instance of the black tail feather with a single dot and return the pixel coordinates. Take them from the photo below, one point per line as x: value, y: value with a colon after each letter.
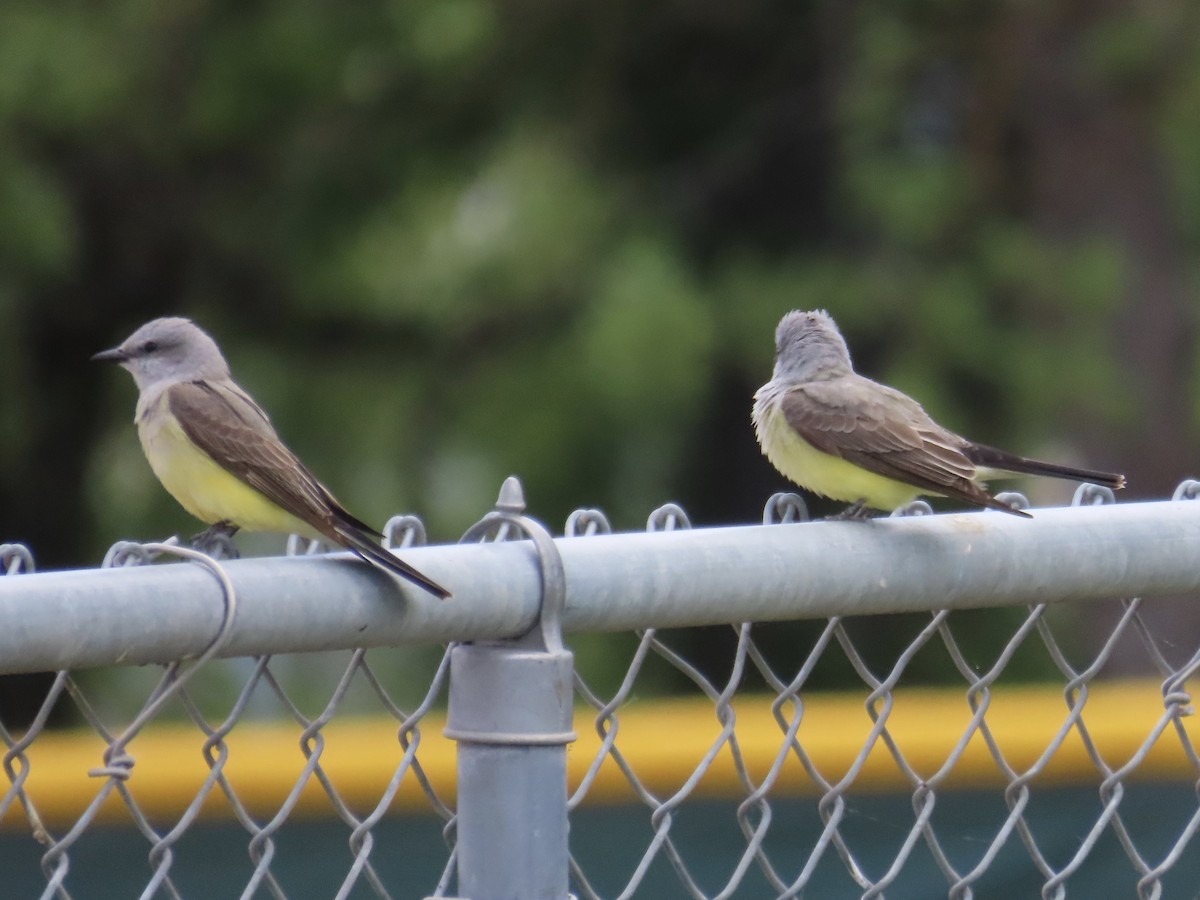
x: 1004, y: 507
x: 991, y: 458
x: 354, y: 540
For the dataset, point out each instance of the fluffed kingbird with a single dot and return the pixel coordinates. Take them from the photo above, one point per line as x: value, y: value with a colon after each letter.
x: 849, y: 438
x: 215, y: 451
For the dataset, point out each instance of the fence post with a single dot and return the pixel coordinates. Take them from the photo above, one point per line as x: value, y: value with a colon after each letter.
x: 511, y: 713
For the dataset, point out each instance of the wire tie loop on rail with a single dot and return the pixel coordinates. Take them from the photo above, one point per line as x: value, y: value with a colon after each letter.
x: 1088, y: 494
x: 911, y: 510
x: 15, y: 558
x: 1015, y: 499
x: 1188, y: 489
x: 123, y: 554
x: 587, y: 522
x: 784, y: 508
x: 402, y: 532
x: 298, y: 545
x: 668, y: 517
x: 117, y: 763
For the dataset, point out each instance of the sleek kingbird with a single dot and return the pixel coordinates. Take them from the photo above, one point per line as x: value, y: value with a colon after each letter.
x: 215, y: 451
x: 849, y: 438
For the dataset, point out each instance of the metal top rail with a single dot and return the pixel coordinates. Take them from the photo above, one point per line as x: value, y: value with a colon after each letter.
x: 72, y: 619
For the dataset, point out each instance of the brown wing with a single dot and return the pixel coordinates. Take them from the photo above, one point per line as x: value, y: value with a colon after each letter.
x: 885, y: 432
x: 231, y: 428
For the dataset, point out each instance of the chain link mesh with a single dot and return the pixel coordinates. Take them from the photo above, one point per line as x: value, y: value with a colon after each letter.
x: 753, y: 678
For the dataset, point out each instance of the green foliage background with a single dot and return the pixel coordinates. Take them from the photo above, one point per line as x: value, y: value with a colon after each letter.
x: 443, y: 241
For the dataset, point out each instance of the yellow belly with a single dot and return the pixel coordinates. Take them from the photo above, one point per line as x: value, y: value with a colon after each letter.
x: 821, y: 473
x: 202, y: 487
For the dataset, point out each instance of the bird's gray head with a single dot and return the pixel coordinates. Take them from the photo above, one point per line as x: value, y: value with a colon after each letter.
x: 166, y: 351
x: 809, y: 347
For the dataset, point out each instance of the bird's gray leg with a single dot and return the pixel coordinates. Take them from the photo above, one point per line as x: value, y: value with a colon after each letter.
x: 855, y: 512
x: 217, y: 540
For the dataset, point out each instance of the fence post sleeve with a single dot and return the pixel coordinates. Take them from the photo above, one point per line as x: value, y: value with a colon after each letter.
x: 511, y: 712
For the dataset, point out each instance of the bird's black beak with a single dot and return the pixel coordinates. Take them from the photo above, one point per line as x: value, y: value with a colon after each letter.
x: 116, y: 354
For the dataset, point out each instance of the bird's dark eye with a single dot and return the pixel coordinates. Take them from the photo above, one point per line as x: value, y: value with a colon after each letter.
x: 149, y: 346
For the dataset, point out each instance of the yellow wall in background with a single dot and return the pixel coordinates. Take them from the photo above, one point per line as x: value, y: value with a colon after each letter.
x: 664, y: 740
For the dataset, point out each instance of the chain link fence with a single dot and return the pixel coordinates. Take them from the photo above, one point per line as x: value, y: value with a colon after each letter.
x: 505, y: 821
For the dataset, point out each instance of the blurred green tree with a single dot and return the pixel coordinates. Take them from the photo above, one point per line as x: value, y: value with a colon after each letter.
x: 446, y: 240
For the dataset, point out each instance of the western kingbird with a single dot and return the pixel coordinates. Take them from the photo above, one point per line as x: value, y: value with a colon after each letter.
x: 215, y: 451
x: 849, y: 438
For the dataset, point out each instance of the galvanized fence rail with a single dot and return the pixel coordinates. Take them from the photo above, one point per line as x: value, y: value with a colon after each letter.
x: 514, y: 692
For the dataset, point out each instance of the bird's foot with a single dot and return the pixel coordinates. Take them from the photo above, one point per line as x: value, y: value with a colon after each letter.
x: 217, y: 541
x: 855, y: 512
